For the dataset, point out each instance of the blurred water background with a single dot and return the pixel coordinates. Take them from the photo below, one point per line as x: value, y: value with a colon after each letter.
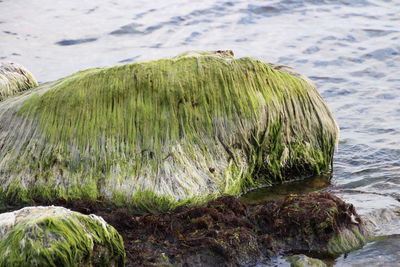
x: 350, y: 48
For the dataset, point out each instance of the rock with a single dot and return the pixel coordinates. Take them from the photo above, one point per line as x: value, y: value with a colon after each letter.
x: 155, y: 135
x: 14, y: 78
x: 55, y: 236
x: 304, y: 261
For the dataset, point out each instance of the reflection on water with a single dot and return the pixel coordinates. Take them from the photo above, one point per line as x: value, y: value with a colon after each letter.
x: 278, y: 192
x: 383, y: 252
x: 350, y: 48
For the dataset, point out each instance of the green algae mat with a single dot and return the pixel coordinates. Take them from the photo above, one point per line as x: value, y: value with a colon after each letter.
x: 155, y: 135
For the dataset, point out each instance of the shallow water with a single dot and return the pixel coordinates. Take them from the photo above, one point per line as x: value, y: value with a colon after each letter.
x: 350, y: 48
x: 280, y: 191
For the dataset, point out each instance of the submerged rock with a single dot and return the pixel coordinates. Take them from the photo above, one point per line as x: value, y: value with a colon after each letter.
x: 227, y: 232
x: 159, y: 134
x: 304, y: 261
x: 14, y: 78
x: 55, y: 236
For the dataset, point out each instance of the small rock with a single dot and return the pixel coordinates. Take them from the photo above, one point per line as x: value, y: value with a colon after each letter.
x: 56, y: 236
x: 304, y: 261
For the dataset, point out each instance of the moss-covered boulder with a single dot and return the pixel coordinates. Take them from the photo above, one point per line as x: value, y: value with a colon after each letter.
x: 14, y: 78
x: 55, y: 236
x: 159, y: 134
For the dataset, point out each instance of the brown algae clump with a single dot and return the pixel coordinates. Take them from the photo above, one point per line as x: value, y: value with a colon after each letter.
x: 227, y: 232
x: 319, y: 222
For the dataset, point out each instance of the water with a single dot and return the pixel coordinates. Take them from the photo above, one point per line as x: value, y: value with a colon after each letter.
x: 350, y: 48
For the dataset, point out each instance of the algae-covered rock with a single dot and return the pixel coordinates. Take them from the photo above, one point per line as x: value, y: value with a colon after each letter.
x: 304, y: 261
x: 163, y: 133
x: 55, y: 236
x: 14, y: 78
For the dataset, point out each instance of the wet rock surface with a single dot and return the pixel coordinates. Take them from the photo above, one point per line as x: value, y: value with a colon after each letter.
x: 227, y: 232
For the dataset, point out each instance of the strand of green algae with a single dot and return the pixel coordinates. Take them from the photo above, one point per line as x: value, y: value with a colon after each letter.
x: 14, y: 79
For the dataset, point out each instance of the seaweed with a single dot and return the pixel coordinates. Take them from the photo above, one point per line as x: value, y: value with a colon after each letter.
x: 228, y: 232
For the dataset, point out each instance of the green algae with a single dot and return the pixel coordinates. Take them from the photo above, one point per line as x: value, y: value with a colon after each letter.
x: 163, y: 133
x: 56, y: 237
x: 346, y: 241
x: 14, y: 79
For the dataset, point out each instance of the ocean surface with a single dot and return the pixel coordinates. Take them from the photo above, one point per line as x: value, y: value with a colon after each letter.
x: 350, y: 48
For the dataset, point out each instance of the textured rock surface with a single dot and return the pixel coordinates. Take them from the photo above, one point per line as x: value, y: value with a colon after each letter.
x: 14, y: 78
x: 159, y: 134
x: 55, y: 236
